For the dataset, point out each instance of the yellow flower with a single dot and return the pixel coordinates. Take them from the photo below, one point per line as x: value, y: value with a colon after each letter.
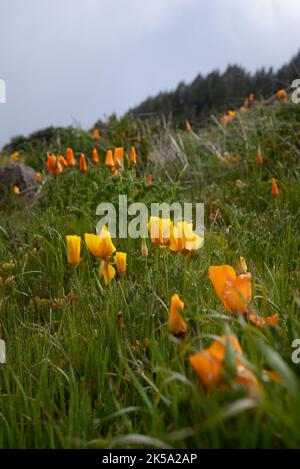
x: 184, y: 239
x: 15, y: 155
x: 120, y: 259
x: 73, y: 249
x: 242, y: 266
x: 160, y: 230
x: 107, y: 271
x: 101, y: 246
x: 176, y: 324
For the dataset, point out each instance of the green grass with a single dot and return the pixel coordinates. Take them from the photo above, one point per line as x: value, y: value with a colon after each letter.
x: 90, y: 366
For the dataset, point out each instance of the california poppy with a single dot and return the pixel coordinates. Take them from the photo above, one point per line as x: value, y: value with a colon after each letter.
x: 62, y: 160
x: 118, y: 156
x: 107, y: 271
x: 95, y: 157
x: 234, y: 291
x: 82, y: 163
x: 132, y: 156
x: 51, y: 163
x: 187, y: 126
x: 184, y: 239
x: 109, y: 161
x: 264, y: 321
x: 120, y: 259
x: 160, y: 230
x: 176, y: 324
x: 101, y: 246
x: 260, y: 159
x: 73, y: 249
x: 70, y: 157
x: 38, y: 176
x: 16, y: 190
x: 275, y: 190
x: 96, y: 134
x: 58, y: 168
x: 282, y: 94
x: 209, y: 364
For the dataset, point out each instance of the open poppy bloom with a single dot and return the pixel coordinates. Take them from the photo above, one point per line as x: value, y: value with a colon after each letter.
x: 184, y: 239
x: 95, y: 157
x: 70, y: 157
x: 176, y: 324
x: 118, y: 156
x: 82, y: 163
x: 73, y: 249
x: 96, y: 134
x: 51, y: 163
x: 275, y: 190
x: 120, y: 259
x: 101, y: 246
x: 107, y: 271
x: 233, y: 290
x: 132, y: 156
x: 209, y: 364
x: 282, y: 94
x: 109, y: 161
x: 160, y: 230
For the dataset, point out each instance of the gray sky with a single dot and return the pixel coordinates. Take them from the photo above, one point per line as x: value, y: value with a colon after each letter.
x: 77, y: 60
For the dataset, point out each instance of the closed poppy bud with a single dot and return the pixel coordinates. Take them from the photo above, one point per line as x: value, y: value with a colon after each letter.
x: 132, y: 156
x: 109, y: 161
x: 251, y: 97
x: 149, y: 180
x: 107, y: 271
x: 176, y: 323
x: 118, y: 156
x: 82, y: 163
x: 95, y: 157
x: 51, y: 163
x: 144, y: 248
x: 242, y: 266
x: 62, y: 161
x: 120, y: 259
x: 16, y: 190
x: 70, y: 157
x: 38, y: 176
x: 115, y: 171
x: 260, y: 159
x: 275, y: 190
x: 58, y: 169
x: 282, y: 94
x: 187, y: 126
x: 96, y: 134
x: 73, y: 249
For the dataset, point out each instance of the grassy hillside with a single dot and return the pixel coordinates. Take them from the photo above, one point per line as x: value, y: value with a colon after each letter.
x: 91, y: 365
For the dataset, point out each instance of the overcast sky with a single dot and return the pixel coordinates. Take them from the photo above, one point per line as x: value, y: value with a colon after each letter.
x: 68, y: 61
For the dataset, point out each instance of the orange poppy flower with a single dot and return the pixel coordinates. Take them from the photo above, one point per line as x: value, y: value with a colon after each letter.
x: 58, y: 169
x: 107, y: 271
x: 260, y: 159
x: 51, y: 163
x: 38, y: 176
x: 82, y: 163
x: 62, y: 160
x: 16, y: 190
x: 70, y: 157
x: 73, y: 249
x: 132, y: 156
x: 118, y: 156
x: 120, y: 260
x: 149, y: 180
x: 95, y: 157
x: 234, y: 291
x: 209, y: 364
x: 96, y: 134
x: 282, y: 94
x: 109, y: 162
x: 176, y: 324
x: 115, y: 171
x: 275, y: 190
x: 262, y: 321
x: 187, y: 126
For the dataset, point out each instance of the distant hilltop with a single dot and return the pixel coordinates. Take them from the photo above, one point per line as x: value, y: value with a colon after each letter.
x: 217, y: 92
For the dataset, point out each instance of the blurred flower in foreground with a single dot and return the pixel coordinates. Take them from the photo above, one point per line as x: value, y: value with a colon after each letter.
x: 96, y: 134
x: 132, y: 156
x: 95, y: 157
x: 184, y: 239
x: 101, y: 246
x: 160, y: 230
x: 209, y: 364
x: 120, y: 259
x: 176, y: 324
x: 282, y: 94
x: 82, y: 163
x: 16, y: 190
x: 275, y: 190
x: 73, y: 249
x: 70, y: 157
